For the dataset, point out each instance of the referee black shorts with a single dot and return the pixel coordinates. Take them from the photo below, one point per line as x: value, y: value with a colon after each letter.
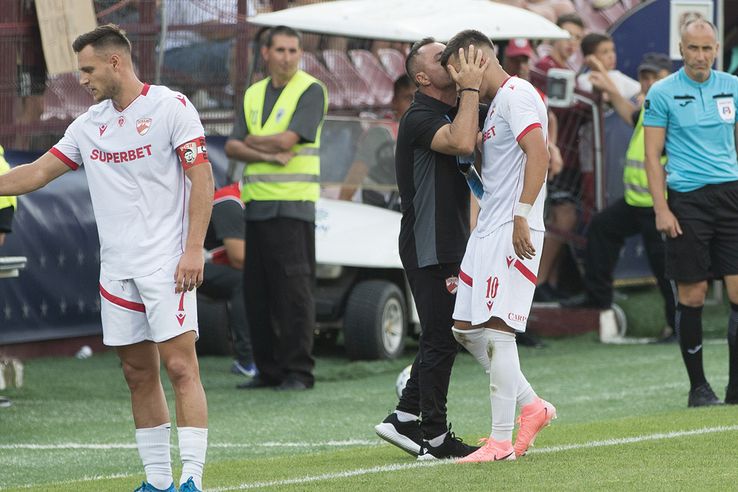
x: 708, y: 246
x: 6, y: 219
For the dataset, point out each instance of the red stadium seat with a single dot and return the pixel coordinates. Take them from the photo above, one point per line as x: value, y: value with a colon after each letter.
x: 372, y: 72
x: 312, y: 65
x: 393, y: 61
x: 593, y: 19
x: 354, y: 86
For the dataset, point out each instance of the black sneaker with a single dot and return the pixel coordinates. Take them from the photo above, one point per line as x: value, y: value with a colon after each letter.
x: 731, y: 395
x: 451, y: 447
x: 405, y: 435
x: 703, y: 396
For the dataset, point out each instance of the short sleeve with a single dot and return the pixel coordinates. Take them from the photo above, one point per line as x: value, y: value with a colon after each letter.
x: 656, y: 108
x: 734, y: 79
x: 228, y: 221
x: 67, y: 149
x: 240, y: 130
x: 424, y: 124
x: 523, y: 115
x: 309, y: 113
x: 184, y: 120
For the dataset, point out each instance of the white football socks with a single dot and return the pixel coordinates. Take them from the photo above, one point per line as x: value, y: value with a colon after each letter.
x: 526, y: 395
x: 193, y: 445
x: 153, y: 448
x: 476, y: 342
x: 504, y: 376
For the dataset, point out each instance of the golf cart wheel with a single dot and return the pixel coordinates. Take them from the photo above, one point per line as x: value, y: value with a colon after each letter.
x: 375, y: 321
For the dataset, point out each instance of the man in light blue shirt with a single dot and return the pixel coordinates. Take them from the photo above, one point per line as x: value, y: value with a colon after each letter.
x: 692, y: 113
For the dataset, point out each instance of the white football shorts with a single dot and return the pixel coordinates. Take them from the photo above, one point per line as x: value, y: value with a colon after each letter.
x: 494, y: 282
x: 146, y: 308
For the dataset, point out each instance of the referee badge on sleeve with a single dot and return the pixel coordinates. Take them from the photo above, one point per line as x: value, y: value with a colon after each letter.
x: 726, y: 109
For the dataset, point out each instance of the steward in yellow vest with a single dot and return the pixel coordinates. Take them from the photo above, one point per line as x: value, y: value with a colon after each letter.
x: 8, y: 204
x: 634, y: 174
x: 277, y: 134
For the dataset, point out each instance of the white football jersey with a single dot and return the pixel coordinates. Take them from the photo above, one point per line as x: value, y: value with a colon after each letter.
x: 516, y: 109
x: 140, y: 194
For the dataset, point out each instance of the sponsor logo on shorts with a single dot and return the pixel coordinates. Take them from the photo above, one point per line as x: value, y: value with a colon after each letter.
x: 490, y: 304
x: 517, y: 317
x: 452, y: 284
x: 510, y: 259
x: 143, y: 125
x: 181, y: 315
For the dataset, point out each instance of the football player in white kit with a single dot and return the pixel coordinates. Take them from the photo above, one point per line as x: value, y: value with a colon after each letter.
x: 151, y: 184
x: 498, y: 272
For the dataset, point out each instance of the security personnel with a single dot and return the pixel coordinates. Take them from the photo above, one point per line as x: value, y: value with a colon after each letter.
x: 277, y: 134
x: 633, y: 214
x: 8, y: 204
x: 693, y: 114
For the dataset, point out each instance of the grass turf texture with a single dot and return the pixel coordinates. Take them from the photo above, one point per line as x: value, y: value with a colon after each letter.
x: 324, y: 440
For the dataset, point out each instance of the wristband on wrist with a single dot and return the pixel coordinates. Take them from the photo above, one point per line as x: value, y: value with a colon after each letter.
x: 470, y: 89
x: 522, y: 210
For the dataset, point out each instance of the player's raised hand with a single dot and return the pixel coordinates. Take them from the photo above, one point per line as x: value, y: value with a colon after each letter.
x: 471, y: 68
x: 521, y: 239
x: 189, y: 273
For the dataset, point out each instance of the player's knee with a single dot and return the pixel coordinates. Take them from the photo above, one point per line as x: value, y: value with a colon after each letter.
x: 138, y: 377
x: 693, y: 295
x: 181, y: 371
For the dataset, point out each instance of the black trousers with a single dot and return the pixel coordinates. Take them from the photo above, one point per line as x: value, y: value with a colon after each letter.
x: 279, y: 288
x: 605, y: 239
x: 225, y: 282
x: 426, y: 390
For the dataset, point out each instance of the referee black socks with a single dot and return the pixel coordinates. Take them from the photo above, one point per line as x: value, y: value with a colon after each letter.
x: 732, y: 348
x: 689, y: 330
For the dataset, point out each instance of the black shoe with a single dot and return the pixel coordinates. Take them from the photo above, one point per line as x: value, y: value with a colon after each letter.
x: 703, y: 396
x: 405, y: 435
x: 451, y: 447
x: 546, y: 293
x: 292, y: 384
x: 257, y: 383
x: 731, y: 395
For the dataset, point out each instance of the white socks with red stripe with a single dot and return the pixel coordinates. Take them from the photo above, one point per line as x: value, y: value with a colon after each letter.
x: 193, y: 445
x: 504, y: 376
x: 153, y: 448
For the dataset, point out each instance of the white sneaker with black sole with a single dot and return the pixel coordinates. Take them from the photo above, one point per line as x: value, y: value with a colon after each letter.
x: 405, y: 435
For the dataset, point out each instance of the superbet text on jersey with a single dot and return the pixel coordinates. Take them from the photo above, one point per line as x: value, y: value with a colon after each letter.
x: 136, y: 174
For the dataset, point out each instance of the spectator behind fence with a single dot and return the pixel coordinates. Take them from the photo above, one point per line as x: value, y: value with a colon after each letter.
x: 373, y: 168
x: 692, y: 114
x: 633, y: 214
x: 223, y: 276
x: 198, y: 58
x: 564, y: 188
x: 8, y: 205
x: 277, y: 133
x: 151, y: 255
x: 599, y: 55
x: 31, y: 76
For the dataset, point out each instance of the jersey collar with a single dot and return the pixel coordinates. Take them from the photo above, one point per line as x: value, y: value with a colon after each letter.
x: 693, y: 83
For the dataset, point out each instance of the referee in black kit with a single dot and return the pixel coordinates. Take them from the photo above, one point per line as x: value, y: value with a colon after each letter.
x: 434, y: 231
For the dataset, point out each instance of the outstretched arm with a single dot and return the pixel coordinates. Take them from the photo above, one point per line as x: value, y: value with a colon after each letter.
x: 30, y: 177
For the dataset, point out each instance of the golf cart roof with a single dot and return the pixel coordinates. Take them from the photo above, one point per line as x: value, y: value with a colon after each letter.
x: 412, y: 20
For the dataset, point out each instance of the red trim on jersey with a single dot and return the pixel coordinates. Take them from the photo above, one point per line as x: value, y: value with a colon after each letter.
x: 525, y: 271
x: 145, y: 89
x: 66, y: 160
x: 133, y: 306
x: 193, y: 153
x: 528, y: 128
x: 465, y: 278
x: 505, y: 82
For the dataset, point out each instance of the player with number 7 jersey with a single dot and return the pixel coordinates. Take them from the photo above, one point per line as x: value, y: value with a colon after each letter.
x: 143, y: 151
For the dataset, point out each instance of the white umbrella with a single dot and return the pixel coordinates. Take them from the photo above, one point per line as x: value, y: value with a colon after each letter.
x: 412, y: 20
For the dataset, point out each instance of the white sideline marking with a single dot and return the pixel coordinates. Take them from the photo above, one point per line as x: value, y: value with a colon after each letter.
x: 421, y: 464
x: 223, y: 445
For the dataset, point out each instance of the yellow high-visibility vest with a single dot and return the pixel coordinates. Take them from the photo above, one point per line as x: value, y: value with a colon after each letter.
x: 6, y: 201
x: 299, y: 180
x: 634, y: 174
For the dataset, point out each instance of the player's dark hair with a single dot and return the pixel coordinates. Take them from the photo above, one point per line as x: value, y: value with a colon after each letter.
x: 570, y: 19
x: 410, y: 65
x: 282, y: 31
x: 402, y: 82
x: 463, y: 40
x: 107, y: 36
x: 591, y: 41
